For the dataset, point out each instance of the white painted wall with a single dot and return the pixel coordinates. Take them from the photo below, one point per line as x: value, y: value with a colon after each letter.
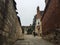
x: 37, y: 20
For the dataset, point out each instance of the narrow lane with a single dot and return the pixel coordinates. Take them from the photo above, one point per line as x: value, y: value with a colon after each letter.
x: 31, y: 40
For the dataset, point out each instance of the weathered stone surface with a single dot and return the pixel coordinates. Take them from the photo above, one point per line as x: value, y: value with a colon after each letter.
x: 9, y: 24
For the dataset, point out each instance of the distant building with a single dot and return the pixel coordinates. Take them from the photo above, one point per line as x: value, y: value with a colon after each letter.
x: 38, y: 22
x: 34, y: 19
x: 27, y: 29
x: 24, y: 29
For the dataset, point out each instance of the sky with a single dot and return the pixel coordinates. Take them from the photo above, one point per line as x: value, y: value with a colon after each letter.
x: 27, y: 10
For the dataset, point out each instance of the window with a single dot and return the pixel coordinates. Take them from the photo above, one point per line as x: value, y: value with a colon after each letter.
x: 38, y: 23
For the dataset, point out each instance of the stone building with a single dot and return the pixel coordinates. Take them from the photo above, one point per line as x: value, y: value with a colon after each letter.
x: 9, y: 24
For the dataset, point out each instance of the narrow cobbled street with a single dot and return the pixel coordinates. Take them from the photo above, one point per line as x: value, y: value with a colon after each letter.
x: 31, y: 40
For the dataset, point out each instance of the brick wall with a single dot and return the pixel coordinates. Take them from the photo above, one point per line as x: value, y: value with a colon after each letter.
x: 51, y: 22
x: 50, y: 19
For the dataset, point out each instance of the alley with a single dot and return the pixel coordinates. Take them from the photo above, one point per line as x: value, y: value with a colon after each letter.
x: 31, y: 40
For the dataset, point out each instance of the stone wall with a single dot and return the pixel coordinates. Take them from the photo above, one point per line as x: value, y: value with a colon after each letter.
x: 10, y: 27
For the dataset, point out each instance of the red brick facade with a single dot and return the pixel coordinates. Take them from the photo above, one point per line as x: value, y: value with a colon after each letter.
x: 51, y: 16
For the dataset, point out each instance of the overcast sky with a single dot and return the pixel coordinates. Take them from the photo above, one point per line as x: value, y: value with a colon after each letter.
x: 27, y: 10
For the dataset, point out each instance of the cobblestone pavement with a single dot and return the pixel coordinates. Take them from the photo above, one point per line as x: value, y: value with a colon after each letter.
x: 31, y: 40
